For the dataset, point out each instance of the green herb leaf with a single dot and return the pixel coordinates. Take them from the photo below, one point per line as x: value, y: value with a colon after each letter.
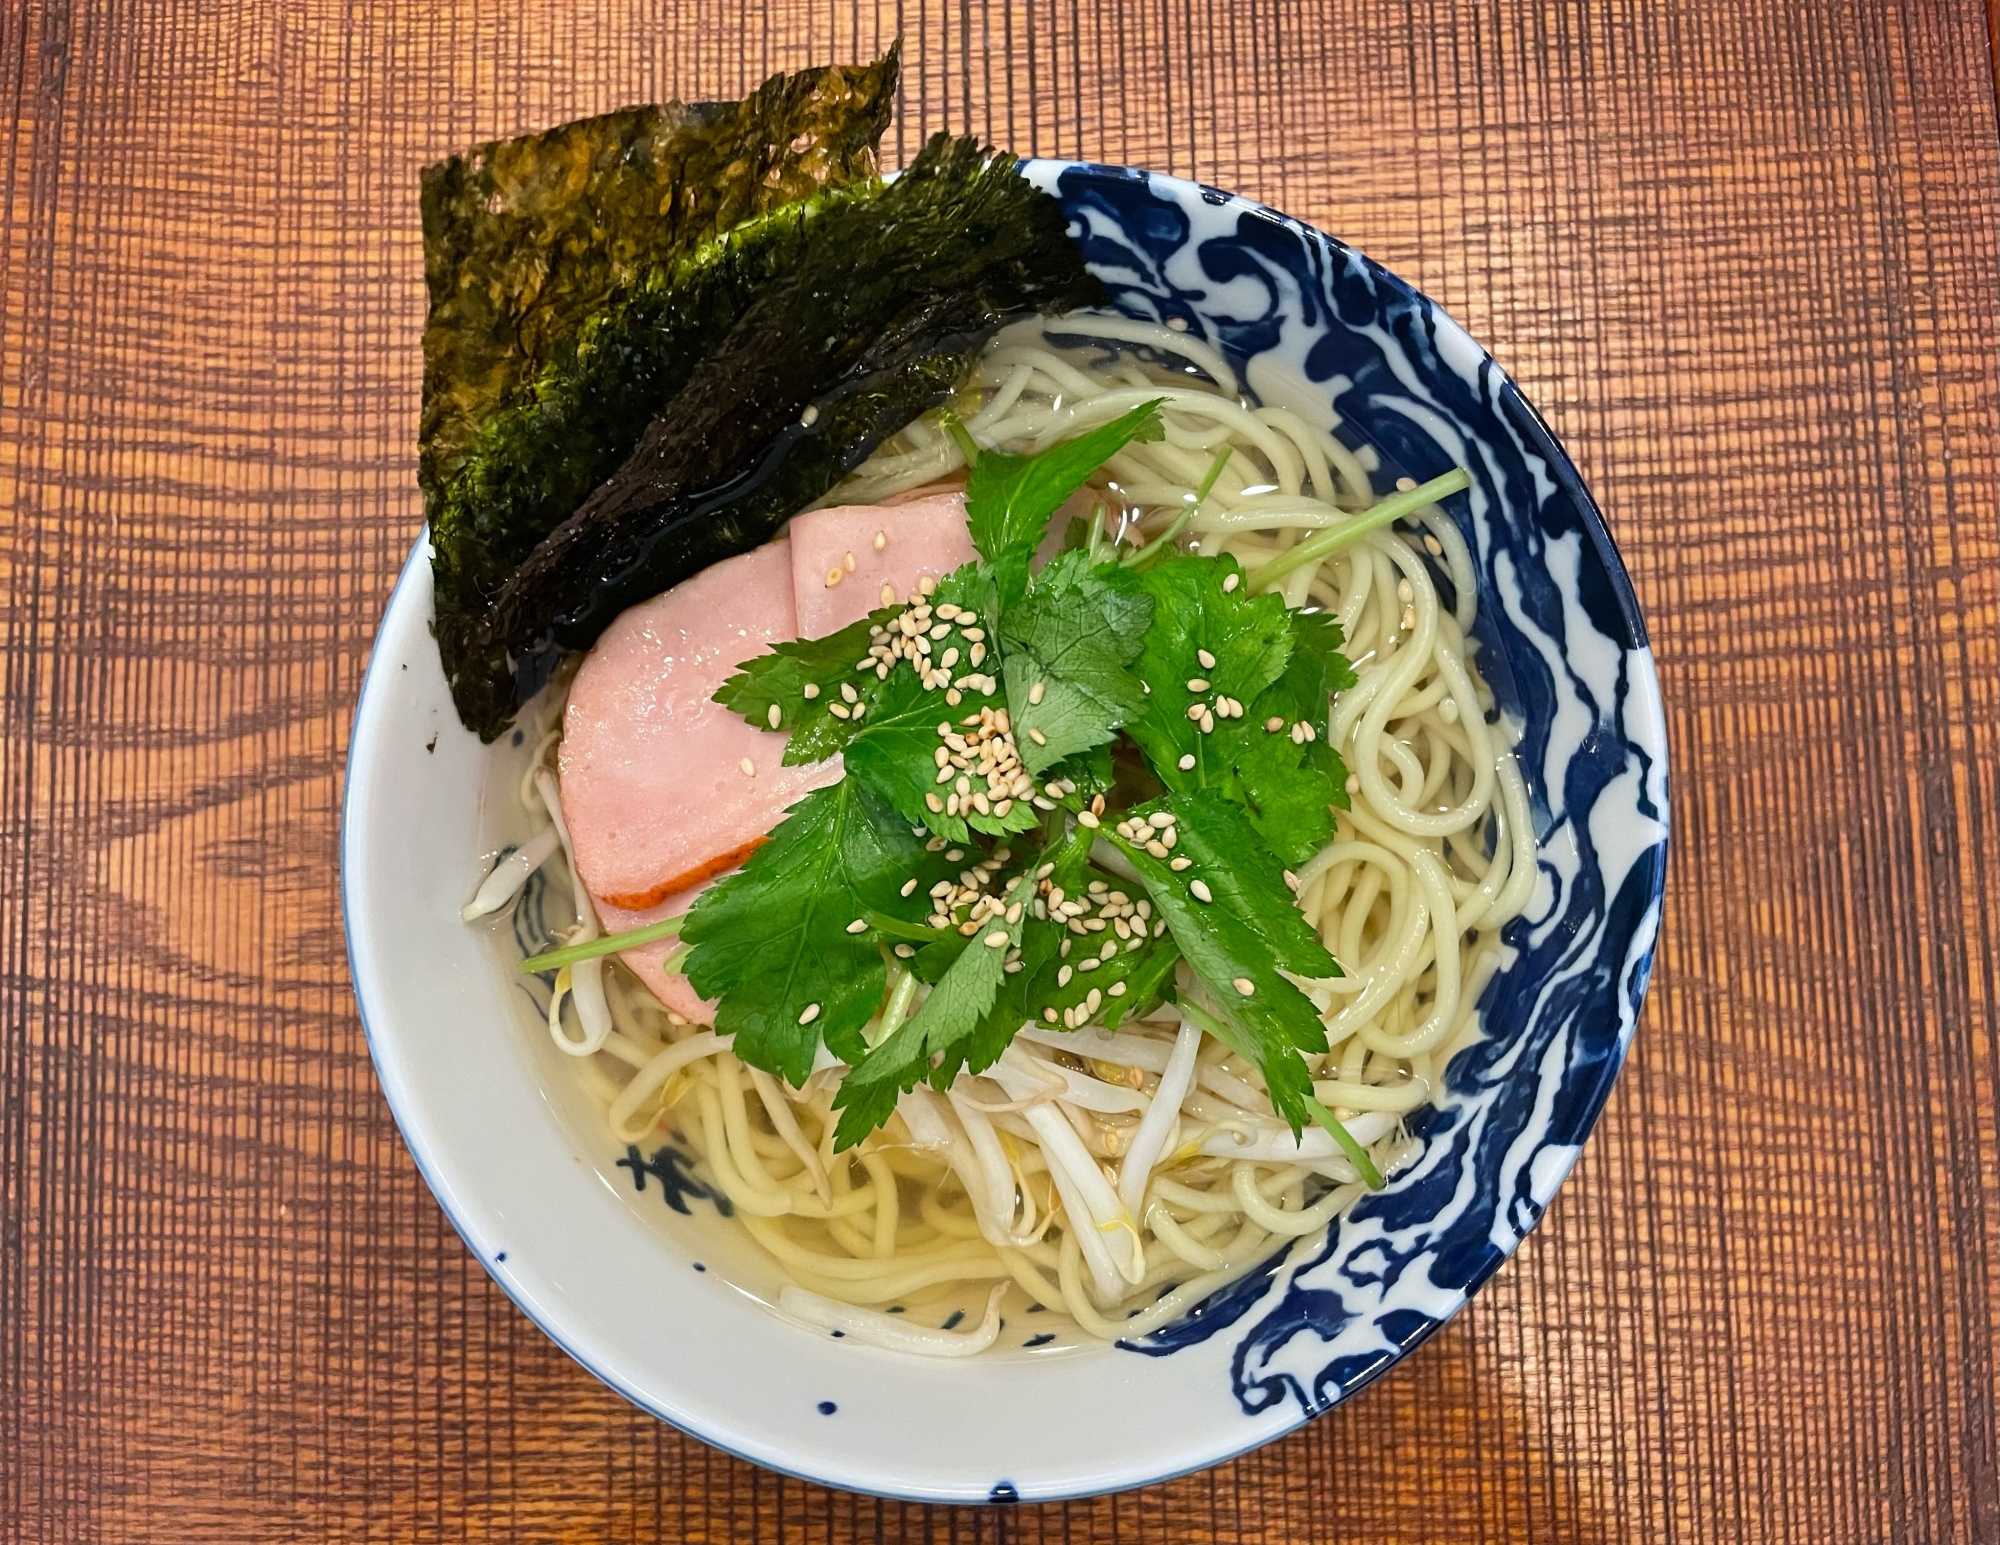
x: 1249, y: 932
x: 1281, y: 665
x: 1074, y: 635
x: 1009, y: 499
x: 932, y: 1043
x: 772, y: 941
x: 779, y: 679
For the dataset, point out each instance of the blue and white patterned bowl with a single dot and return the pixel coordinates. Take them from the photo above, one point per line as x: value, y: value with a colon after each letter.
x: 491, y: 1117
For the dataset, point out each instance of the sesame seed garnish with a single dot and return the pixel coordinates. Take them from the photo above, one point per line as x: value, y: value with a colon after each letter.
x: 1403, y: 591
x: 1244, y: 985
x: 859, y: 925
x: 811, y: 690
x: 1035, y: 692
x: 1433, y: 546
x: 1063, y: 976
x: 1117, y: 990
x: 996, y: 938
x: 1182, y: 862
x: 1049, y: 1014
x: 1038, y: 737
x: 909, y: 885
x: 774, y: 716
x: 953, y: 855
x: 1197, y: 684
x: 838, y: 710
x: 927, y: 586
x: 905, y: 951
x: 1231, y: 583
x: 749, y: 767
x: 833, y: 577
x: 882, y: 541
x: 810, y: 417
x: 1207, y: 659
x: 1273, y: 724
x: 936, y: 804
x: 888, y: 595
x: 1086, y: 819
x: 848, y: 563
x: 1186, y: 763
x: 1201, y: 890
x: 811, y: 1013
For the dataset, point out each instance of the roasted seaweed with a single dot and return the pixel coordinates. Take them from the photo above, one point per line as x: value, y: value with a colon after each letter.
x: 524, y: 239
x: 853, y: 314
x: 534, y: 250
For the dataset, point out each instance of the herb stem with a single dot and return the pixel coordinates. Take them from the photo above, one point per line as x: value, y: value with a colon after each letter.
x: 609, y: 944
x: 1356, y: 1154
x: 960, y: 436
x: 1159, y: 544
x: 1331, y: 540
x: 897, y: 1009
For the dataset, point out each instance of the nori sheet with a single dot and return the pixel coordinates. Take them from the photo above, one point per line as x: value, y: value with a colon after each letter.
x: 864, y: 307
x: 527, y: 242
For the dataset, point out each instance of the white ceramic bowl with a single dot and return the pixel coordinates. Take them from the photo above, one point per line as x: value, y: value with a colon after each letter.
x: 518, y: 1155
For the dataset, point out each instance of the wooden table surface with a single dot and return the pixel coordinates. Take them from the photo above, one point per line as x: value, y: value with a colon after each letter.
x: 1742, y: 253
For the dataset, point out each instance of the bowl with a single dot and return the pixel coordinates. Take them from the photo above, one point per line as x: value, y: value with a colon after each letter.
x: 601, y: 1261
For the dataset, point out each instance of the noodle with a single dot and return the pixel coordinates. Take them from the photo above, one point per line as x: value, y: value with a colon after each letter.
x: 1118, y: 1179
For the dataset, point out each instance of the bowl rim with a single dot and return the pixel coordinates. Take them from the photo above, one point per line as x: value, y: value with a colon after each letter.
x: 1648, y: 729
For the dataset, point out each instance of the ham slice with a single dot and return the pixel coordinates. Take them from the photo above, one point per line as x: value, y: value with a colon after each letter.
x: 920, y: 537
x: 653, y: 785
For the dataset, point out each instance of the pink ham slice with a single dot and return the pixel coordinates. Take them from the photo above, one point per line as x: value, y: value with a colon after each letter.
x: 921, y: 537
x: 653, y: 785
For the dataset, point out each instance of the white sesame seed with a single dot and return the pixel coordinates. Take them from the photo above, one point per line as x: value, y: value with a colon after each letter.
x: 1244, y: 985
x: 847, y: 562
x: 1063, y: 976
x: 953, y: 855
x: 1207, y: 659
x: 1160, y: 820
x: 1035, y: 692
x: 811, y: 1013
x: 1433, y: 546
x: 1116, y: 989
x: 905, y: 951
x: 936, y: 804
x: 810, y: 417
x: 952, y: 697
x: 1273, y: 724
x: 1201, y: 890
x: 882, y: 541
x: 774, y: 716
x: 1038, y: 737
x: 811, y: 690
x: 888, y: 591
x: 1182, y: 862
x: 996, y: 938
x: 1049, y: 1014
x: 1157, y: 848
x: 749, y: 767
x: 1195, y: 711
x: 859, y: 925
x: 1197, y: 684
x: 909, y: 885
x: 1231, y: 583
x: 926, y: 586
x: 838, y: 710
x: 1090, y: 963
x: 833, y: 577
x: 1403, y: 591
x: 1086, y: 819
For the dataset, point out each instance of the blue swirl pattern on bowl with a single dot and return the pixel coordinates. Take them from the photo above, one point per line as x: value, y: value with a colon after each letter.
x: 1565, y: 651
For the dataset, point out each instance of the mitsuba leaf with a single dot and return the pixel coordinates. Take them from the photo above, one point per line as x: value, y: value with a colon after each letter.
x: 1249, y: 932
x: 1074, y: 636
x: 1009, y: 499
x: 1281, y: 665
x: 779, y: 679
x: 772, y: 941
x: 932, y: 1043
